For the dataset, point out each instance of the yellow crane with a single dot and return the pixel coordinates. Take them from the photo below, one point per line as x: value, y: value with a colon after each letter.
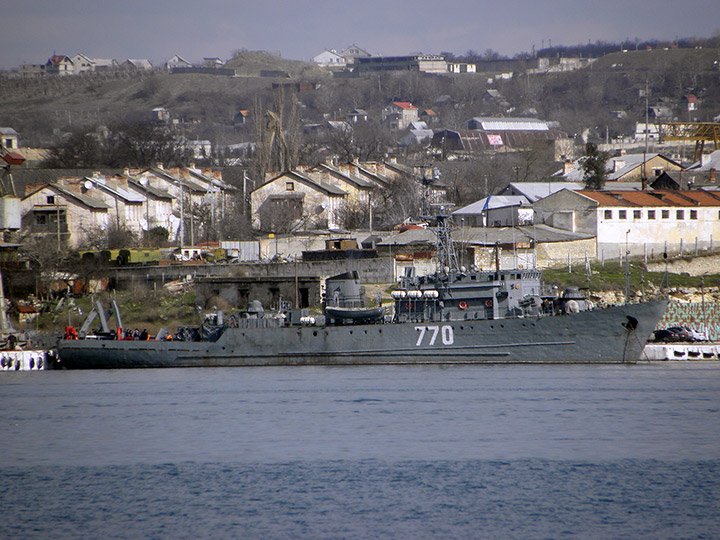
x: 691, y: 131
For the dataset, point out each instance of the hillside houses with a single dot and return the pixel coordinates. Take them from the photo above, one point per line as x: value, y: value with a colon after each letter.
x: 626, y: 168
x: 321, y: 196
x: 138, y: 200
x: 62, y: 65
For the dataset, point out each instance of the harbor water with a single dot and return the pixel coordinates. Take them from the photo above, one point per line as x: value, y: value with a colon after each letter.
x: 422, y: 452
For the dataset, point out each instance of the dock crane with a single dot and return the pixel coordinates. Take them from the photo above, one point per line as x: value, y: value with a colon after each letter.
x: 691, y: 131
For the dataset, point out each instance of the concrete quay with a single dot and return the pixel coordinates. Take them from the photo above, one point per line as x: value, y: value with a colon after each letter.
x: 681, y: 351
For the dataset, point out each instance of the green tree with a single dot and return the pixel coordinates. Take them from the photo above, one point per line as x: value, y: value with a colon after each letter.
x: 594, y: 167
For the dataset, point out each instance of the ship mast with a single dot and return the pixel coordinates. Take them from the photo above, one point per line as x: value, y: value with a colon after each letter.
x: 445, y: 249
x: 446, y: 256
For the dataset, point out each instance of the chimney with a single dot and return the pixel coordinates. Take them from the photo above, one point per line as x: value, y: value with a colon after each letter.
x: 97, y: 174
x: 126, y: 171
x: 160, y: 166
x: 704, y: 159
x: 568, y: 166
x: 712, y: 175
x: 618, y: 164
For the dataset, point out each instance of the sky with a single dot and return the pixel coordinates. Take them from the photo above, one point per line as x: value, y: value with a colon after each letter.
x: 33, y: 30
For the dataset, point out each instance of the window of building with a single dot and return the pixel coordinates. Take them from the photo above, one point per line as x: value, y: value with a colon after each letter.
x: 637, y: 214
x: 50, y: 199
x: 693, y: 214
x: 622, y: 214
x: 608, y: 214
x: 290, y: 186
x: 666, y: 214
x: 651, y: 214
x: 680, y: 214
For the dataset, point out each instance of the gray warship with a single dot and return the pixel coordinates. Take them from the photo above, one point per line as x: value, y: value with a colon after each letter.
x: 452, y: 316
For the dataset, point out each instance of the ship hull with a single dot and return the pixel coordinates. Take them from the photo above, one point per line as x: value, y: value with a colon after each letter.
x: 612, y: 335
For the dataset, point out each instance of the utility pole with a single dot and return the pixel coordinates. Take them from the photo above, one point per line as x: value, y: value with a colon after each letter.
x: 627, y: 267
x: 647, y: 136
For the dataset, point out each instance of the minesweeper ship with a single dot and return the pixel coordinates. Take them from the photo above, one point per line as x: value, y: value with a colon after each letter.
x: 453, y: 316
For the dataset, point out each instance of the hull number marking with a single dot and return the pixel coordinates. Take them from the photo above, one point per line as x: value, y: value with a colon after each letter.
x: 446, y: 335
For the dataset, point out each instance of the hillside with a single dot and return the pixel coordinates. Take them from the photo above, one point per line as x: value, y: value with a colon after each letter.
x: 251, y: 63
x: 40, y: 109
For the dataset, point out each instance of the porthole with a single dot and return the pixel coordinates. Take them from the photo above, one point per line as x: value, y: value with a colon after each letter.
x: 315, y: 333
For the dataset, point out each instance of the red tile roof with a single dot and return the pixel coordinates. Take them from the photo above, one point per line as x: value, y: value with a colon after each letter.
x: 404, y: 104
x: 652, y: 198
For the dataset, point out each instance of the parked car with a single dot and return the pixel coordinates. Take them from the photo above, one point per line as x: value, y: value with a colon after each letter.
x: 666, y: 335
x: 676, y: 333
x: 695, y: 334
x: 679, y: 333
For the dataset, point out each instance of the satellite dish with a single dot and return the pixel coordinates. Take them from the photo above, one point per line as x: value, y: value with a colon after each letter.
x: 320, y: 208
x: 144, y: 180
x: 88, y: 184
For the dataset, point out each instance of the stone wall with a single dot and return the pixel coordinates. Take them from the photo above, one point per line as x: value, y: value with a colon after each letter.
x: 694, y: 267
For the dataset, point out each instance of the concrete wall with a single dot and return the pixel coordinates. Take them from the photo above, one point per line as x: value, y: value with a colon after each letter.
x: 237, y: 292
x: 370, y: 271
x: 556, y: 253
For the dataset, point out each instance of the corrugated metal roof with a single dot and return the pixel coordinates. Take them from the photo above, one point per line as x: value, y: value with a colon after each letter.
x: 510, y: 123
x: 496, y: 201
x: 479, y: 141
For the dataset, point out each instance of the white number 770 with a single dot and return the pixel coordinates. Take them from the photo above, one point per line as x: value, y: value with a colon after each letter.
x: 446, y: 334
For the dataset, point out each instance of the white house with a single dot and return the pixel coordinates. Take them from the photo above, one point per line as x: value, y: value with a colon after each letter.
x: 330, y: 59
x: 82, y: 63
x: 9, y: 138
x: 495, y: 211
x: 643, y: 222
x: 292, y: 200
x: 57, y: 211
x: 177, y: 61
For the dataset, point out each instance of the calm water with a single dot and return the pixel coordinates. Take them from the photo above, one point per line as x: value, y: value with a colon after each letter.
x: 363, y: 452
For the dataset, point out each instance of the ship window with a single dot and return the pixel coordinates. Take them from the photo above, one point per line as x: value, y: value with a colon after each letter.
x: 651, y: 214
